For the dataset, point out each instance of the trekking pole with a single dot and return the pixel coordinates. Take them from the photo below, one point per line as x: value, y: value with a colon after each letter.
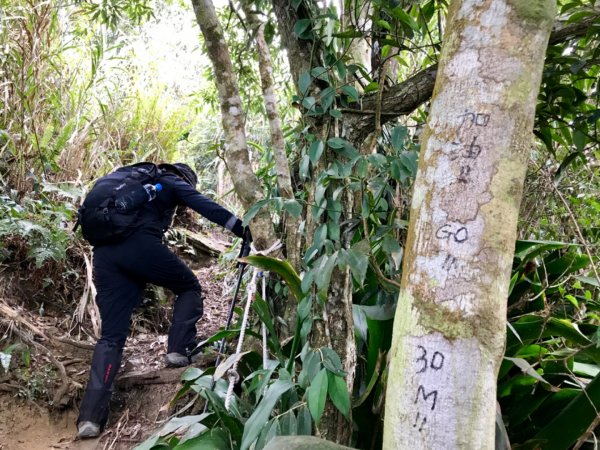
x: 230, y: 314
x: 244, y: 251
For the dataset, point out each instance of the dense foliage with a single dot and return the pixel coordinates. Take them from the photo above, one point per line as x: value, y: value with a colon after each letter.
x: 73, y: 106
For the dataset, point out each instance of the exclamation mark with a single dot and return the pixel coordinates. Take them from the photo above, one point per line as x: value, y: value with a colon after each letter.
x: 423, y: 422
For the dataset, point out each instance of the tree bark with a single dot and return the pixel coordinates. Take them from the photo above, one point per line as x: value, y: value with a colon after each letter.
x: 282, y: 167
x: 300, y: 52
x: 357, y: 16
x: 247, y: 186
x: 336, y: 330
x: 449, y: 329
x: 403, y: 98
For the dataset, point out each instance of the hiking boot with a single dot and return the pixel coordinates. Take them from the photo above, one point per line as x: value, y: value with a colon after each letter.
x: 179, y: 360
x: 87, y: 430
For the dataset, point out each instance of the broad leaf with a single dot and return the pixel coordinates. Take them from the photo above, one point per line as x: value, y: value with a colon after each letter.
x: 338, y: 393
x: 304, y: 82
x: 317, y: 394
x: 293, y: 207
x: 573, y: 420
x: 281, y: 268
x: 304, y: 423
x: 215, y: 439
x: 315, y: 151
x: 261, y: 414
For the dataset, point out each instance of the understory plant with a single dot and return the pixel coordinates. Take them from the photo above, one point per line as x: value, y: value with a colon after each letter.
x: 284, y: 394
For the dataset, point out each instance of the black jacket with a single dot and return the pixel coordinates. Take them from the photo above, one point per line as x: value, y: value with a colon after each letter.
x: 156, y: 216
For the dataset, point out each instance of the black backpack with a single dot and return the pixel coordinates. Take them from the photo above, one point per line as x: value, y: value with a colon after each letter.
x: 100, y: 220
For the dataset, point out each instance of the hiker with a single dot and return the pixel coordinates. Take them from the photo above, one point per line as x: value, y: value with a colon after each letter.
x: 122, y: 268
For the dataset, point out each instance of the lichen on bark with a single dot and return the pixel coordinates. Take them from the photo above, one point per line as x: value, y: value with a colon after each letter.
x: 450, y: 323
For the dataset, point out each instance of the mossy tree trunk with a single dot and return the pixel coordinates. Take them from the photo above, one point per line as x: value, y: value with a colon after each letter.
x: 245, y: 182
x: 449, y: 330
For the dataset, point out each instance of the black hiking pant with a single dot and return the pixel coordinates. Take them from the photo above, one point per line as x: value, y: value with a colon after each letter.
x: 121, y: 272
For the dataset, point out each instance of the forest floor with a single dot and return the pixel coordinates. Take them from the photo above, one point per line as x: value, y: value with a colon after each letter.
x: 42, y: 388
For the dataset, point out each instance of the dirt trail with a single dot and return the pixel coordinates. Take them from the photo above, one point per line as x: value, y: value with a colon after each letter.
x: 137, y: 408
x: 24, y: 426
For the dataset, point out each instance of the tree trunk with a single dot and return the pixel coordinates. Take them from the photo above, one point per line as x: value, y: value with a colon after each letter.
x: 357, y: 16
x: 336, y: 330
x: 282, y: 168
x: 449, y: 329
x: 247, y: 186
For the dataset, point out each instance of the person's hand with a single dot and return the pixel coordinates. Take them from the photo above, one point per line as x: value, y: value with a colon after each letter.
x: 238, y: 229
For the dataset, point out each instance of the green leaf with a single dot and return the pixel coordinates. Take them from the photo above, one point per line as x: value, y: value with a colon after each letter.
x: 320, y: 235
x: 398, y: 171
x: 307, y: 280
x: 526, y: 368
x: 320, y: 72
x: 310, y: 368
x: 391, y: 247
x: 399, y: 14
x: 351, y: 92
x: 333, y: 230
x: 304, y: 422
x: 214, y: 439
x: 261, y: 414
x: 220, y: 335
x: 377, y: 312
x: 332, y: 361
x: 315, y: 151
x: 569, y: 263
x: 352, y: 33
x: 304, y: 308
x: 309, y: 102
x: 224, y: 366
x: 338, y: 393
x: 153, y: 442
x: 191, y: 373
x: 304, y: 82
x: 586, y: 370
x: 269, y: 432
x: 327, y: 98
x: 253, y: 210
x: 588, y: 280
x: 301, y: 27
x: 293, y: 207
x: 409, y: 161
x: 377, y: 159
x: 383, y: 24
x: 336, y: 113
x: 357, y: 258
x: 336, y: 143
x: 324, y: 268
x: 572, y: 422
x: 399, y: 134
x: 527, y: 250
x: 317, y: 394
x: 305, y: 167
x: 373, y: 86
x: 289, y: 424
x: 281, y: 268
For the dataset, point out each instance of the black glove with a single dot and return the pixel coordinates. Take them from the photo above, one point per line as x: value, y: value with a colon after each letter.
x: 246, y: 240
x: 238, y: 229
x: 247, y: 235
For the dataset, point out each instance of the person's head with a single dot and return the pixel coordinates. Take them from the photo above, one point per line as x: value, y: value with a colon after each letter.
x: 188, y: 173
x: 182, y: 171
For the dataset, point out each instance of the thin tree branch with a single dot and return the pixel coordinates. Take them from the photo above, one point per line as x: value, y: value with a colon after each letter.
x: 407, y: 96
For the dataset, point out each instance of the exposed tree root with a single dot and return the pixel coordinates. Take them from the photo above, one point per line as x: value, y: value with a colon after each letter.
x: 14, y: 315
x: 66, y: 381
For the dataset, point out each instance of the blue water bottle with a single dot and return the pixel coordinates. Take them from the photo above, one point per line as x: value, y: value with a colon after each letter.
x: 152, y: 190
x: 136, y: 197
